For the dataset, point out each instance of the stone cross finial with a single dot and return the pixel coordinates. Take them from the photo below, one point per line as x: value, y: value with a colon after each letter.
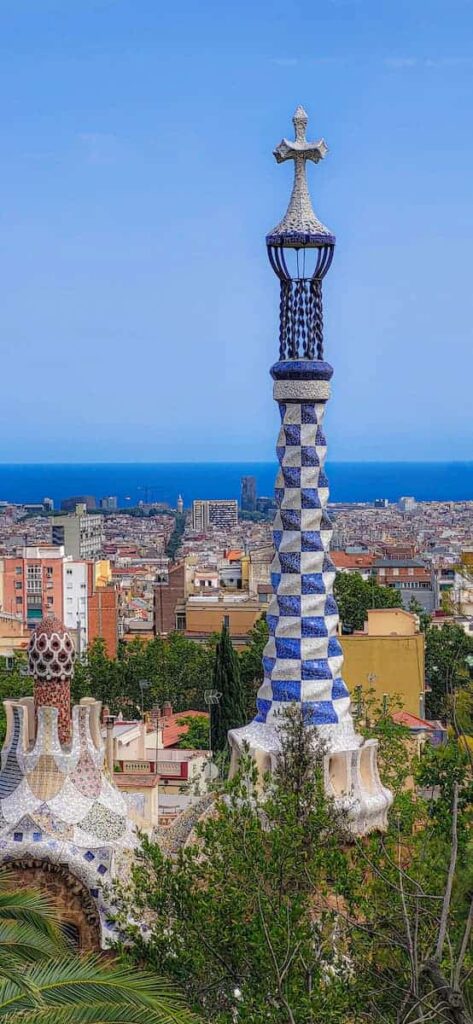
x: 300, y: 149
x: 300, y: 225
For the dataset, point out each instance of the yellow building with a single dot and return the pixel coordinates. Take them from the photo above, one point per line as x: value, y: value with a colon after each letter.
x: 14, y: 637
x: 102, y: 572
x: 207, y: 615
x: 388, y: 657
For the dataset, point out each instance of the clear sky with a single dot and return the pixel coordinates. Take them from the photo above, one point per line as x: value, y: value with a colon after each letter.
x: 139, y: 314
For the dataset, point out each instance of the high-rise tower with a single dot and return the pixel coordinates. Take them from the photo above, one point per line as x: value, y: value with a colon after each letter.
x: 303, y: 657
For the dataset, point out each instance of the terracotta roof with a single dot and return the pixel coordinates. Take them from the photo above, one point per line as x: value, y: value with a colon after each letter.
x: 233, y: 555
x: 343, y: 561
x: 412, y: 721
x: 172, y: 732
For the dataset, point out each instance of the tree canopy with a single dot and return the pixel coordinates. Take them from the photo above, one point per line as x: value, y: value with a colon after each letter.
x: 227, y: 710
x: 274, y: 915
x: 448, y: 667
x: 355, y: 596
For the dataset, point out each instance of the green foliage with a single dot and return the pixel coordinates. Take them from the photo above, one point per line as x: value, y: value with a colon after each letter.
x: 175, y: 539
x: 178, y: 669
x: 446, y: 667
x: 440, y: 769
x: 463, y: 709
x: 14, y: 684
x: 374, y: 721
x: 272, y: 915
x: 197, y: 735
x: 42, y: 983
x: 251, y: 665
x: 355, y: 596
x: 234, y: 917
x: 228, y: 711
x: 424, y: 617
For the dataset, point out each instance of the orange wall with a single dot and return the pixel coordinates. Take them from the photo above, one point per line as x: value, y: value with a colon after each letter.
x: 103, y: 618
x: 51, y: 594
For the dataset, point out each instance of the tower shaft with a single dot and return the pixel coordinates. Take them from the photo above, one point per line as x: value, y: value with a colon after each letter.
x: 303, y: 657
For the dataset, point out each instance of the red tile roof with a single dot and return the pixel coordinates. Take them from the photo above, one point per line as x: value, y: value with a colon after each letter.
x: 172, y: 732
x: 412, y: 721
x: 343, y: 561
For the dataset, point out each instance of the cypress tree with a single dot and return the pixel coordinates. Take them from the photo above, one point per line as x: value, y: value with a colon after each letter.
x: 228, y: 712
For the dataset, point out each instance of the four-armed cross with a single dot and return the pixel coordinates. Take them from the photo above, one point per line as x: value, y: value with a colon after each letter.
x: 299, y: 225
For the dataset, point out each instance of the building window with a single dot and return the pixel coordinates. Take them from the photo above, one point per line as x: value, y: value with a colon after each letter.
x: 226, y: 621
x: 49, y: 572
x: 19, y: 600
x: 18, y: 586
x: 18, y: 570
x: 50, y: 601
x: 68, y: 572
x: 180, y: 620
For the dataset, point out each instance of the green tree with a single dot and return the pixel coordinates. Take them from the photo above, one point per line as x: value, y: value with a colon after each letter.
x: 425, y: 619
x: 14, y: 684
x: 228, y: 711
x: 177, y: 669
x: 239, y: 904
x: 42, y: 982
x: 447, y: 668
x: 355, y: 596
x: 251, y: 664
x: 197, y: 735
x: 175, y: 539
x: 277, y: 917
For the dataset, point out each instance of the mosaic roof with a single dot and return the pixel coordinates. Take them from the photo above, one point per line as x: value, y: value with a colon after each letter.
x: 57, y: 802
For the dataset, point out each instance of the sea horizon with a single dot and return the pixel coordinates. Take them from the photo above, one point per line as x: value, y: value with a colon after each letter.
x: 132, y: 482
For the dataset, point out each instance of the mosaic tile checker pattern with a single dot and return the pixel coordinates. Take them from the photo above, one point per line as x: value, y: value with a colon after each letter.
x: 303, y: 657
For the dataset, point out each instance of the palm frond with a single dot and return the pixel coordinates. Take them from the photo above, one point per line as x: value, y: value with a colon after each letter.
x: 24, y: 942
x: 124, y: 1014
x: 92, y: 992
x: 28, y: 906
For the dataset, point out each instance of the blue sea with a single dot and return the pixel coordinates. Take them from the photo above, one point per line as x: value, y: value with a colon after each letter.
x: 134, y: 482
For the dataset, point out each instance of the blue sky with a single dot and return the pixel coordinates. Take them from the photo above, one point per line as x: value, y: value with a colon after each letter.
x: 139, y: 313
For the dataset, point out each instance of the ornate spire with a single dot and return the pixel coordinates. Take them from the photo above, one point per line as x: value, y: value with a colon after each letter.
x: 300, y: 226
x: 303, y: 658
x: 300, y: 251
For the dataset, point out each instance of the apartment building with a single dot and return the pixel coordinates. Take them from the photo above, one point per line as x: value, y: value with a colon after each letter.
x: 218, y: 512
x: 80, y: 533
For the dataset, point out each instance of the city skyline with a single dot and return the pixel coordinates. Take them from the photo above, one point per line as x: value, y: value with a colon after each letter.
x: 138, y: 185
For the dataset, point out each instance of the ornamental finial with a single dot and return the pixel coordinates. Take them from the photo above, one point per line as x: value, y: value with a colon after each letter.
x: 300, y: 226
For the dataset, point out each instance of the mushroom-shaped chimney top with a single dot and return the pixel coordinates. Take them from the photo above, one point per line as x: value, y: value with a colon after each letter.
x: 51, y: 652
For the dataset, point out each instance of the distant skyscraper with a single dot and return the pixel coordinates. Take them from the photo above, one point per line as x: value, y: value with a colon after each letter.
x: 248, y: 493
x: 108, y: 504
x: 180, y: 505
x: 407, y: 504
x: 214, y: 512
x: 69, y: 504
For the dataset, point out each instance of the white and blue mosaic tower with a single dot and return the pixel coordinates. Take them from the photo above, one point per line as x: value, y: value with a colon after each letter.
x: 303, y: 658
